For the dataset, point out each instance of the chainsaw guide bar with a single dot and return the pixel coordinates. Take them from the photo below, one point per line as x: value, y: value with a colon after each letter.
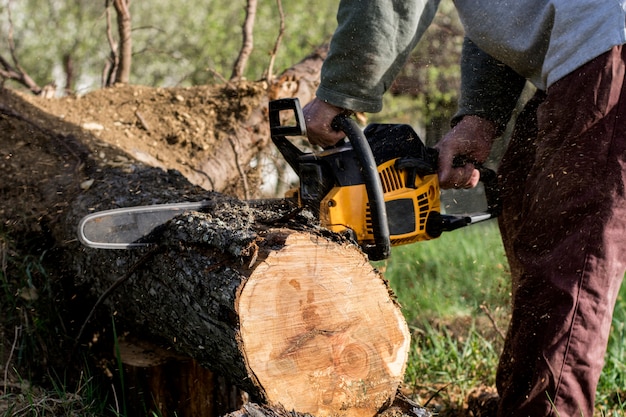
x: 124, y: 228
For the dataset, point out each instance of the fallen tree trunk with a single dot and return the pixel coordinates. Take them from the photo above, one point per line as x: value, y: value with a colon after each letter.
x: 292, y: 314
x: 211, y: 134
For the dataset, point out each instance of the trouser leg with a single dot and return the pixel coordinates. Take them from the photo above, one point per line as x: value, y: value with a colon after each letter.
x: 564, y: 230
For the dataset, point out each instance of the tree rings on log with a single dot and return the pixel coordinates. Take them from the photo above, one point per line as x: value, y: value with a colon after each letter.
x: 320, y: 330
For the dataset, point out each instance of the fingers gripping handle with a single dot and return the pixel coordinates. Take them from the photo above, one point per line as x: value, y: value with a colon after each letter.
x: 489, y: 179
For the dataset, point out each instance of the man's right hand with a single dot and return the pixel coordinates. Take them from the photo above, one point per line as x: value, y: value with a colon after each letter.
x: 318, y: 116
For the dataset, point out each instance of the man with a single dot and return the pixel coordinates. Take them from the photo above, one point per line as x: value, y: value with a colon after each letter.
x: 563, y: 176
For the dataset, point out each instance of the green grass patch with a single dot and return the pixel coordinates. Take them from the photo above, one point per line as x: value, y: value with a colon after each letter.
x: 452, y: 275
x: 611, y: 392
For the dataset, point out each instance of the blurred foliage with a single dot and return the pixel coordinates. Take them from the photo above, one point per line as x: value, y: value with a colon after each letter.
x: 194, y: 42
x: 432, y: 73
x: 426, y: 91
x: 175, y: 43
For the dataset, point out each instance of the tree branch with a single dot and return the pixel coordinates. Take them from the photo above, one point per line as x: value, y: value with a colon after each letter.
x: 122, y: 7
x: 281, y: 32
x: 247, y: 45
x: 111, y: 67
x: 14, y: 71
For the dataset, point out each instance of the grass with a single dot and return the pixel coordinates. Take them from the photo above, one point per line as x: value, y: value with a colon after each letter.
x: 32, y: 333
x: 452, y: 275
x: 454, y: 292
x: 21, y: 399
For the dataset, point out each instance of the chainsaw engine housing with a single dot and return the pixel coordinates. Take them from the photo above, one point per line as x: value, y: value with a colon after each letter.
x: 346, y: 208
x: 331, y: 185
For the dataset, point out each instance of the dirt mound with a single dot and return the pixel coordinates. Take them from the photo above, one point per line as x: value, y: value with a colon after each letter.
x: 169, y: 128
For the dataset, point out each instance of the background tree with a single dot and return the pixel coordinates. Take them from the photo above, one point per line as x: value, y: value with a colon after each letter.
x: 121, y: 51
x: 41, y: 53
x: 247, y: 37
x: 175, y: 43
x: 430, y: 80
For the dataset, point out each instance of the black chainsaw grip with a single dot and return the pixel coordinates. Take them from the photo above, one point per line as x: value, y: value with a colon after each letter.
x: 286, y: 104
x: 438, y: 223
x: 278, y: 131
x: 489, y: 179
x: 382, y: 243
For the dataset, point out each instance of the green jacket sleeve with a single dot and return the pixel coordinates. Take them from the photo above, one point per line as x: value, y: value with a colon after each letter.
x: 372, y: 42
x: 489, y: 88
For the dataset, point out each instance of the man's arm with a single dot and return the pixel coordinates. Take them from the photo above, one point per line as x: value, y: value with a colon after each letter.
x: 489, y: 89
x: 373, y: 40
x: 371, y: 44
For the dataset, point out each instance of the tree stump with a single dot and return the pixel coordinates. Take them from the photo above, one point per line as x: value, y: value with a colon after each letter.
x: 319, y: 329
x: 159, y: 381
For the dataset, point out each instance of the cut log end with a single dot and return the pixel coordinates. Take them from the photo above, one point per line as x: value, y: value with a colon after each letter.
x: 320, y: 331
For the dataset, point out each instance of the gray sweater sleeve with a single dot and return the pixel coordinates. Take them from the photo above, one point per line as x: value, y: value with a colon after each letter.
x: 489, y: 88
x: 371, y: 44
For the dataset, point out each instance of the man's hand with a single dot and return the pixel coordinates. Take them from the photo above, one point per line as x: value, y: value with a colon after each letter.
x: 318, y: 116
x: 469, y: 141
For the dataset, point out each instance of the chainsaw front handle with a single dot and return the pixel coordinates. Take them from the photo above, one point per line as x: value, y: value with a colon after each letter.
x: 292, y: 154
x: 382, y: 242
x: 279, y: 131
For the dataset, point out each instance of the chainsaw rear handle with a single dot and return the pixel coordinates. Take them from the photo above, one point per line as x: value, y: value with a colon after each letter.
x: 489, y: 178
x: 438, y: 223
x: 382, y: 242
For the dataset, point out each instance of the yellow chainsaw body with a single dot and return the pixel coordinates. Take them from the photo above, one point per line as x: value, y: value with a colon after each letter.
x: 408, y: 206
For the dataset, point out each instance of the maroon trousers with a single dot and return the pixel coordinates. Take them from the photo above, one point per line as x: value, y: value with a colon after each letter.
x: 564, y: 231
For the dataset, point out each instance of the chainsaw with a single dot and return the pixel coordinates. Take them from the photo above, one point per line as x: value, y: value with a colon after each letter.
x: 379, y: 188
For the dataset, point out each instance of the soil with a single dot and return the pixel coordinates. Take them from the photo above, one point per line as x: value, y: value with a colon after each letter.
x: 121, y: 126
x: 169, y: 128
